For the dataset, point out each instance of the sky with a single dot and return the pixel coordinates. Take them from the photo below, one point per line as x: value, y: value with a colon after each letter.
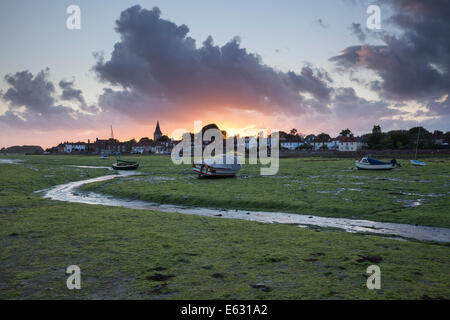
x: 244, y: 65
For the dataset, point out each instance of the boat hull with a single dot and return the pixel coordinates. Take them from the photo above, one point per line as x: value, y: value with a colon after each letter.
x: 364, y: 166
x: 209, y: 171
x: 125, y: 167
x: 417, y: 163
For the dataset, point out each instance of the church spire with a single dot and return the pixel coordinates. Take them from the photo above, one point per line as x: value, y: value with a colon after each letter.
x: 157, y: 134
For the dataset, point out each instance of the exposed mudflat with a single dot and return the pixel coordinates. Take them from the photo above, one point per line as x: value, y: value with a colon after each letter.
x: 69, y: 192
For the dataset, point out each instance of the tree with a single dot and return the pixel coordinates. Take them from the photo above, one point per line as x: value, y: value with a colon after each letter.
x: 376, y: 129
x: 324, y: 137
x: 375, y: 139
x: 437, y: 134
x: 346, y: 132
x: 164, y: 139
x: 446, y: 137
x: 397, y: 139
x: 293, y: 131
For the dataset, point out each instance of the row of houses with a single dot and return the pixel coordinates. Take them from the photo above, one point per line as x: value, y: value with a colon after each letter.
x: 112, y: 147
x: 161, y: 144
x: 165, y: 146
x: 341, y: 143
x: 99, y: 146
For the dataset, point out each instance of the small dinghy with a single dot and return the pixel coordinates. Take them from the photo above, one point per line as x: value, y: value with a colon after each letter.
x: 220, y: 166
x: 125, y: 165
x: 368, y: 163
x: 417, y: 163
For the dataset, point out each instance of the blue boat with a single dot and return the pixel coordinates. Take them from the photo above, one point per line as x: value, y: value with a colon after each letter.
x: 368, y: 163
x: 417, y: 163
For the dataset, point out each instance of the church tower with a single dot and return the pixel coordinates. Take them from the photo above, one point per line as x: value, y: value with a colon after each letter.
x: 157, y: 134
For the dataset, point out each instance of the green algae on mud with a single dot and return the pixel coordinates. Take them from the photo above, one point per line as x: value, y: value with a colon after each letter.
x: 311, y: 186
x: 133, y: 254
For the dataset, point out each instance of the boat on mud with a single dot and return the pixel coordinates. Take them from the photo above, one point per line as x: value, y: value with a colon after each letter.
x: 125, y: 165
x: 417, y: 163
x: 368, y: 163
x: 219, y: 166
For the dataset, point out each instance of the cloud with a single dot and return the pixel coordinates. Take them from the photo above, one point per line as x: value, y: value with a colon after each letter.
x: 33, y: 92
x: 69, y: 93
x: 321, y: 23
x: 414, y: 64
x: 440, y: 107
x: 32, y: 102
x: 347, y: 104
x: 357, y: 31
x: 160, y: 68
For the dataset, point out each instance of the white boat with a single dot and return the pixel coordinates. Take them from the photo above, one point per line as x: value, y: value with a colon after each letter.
x: 417, y: 163
x: 219, y: 166
x: 367, y: 163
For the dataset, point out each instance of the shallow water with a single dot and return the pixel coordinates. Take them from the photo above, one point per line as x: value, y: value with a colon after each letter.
x: 91, y: 167
x: 69, y: 192
x: 10, y: 161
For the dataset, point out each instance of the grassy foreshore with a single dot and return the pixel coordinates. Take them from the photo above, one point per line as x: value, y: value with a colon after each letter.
x: 126, y: 253
x: 324, y: 187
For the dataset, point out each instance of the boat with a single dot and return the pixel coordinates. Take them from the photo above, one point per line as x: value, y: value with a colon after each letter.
x: 125, y: 165
x: 416, y: 162
x: 368, y: 163
x: 219, y: 166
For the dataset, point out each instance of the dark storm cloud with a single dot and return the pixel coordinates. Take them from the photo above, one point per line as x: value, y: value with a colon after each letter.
x: 32, y: 102
x: 346, y: 103
x: 414, y: 64
x: 34, y: 92
x: 69, y: 93
x: 440, y: 107
x: 157, y: 64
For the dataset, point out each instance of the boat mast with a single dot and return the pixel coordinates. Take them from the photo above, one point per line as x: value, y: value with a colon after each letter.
x: 417, y: 143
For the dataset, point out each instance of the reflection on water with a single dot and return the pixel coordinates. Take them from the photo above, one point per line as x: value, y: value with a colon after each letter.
x: 68, y: 192
x: 10, y: 161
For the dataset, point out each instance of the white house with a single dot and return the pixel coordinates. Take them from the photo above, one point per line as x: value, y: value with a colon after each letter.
x: 332, y: 144
x: 349, y: 144
x: 291, y: 145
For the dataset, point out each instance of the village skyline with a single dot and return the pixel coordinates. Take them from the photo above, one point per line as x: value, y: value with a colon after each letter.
x: 290, y: 140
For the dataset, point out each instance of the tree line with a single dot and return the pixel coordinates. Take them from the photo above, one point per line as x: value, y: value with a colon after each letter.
x: 394, y: 139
